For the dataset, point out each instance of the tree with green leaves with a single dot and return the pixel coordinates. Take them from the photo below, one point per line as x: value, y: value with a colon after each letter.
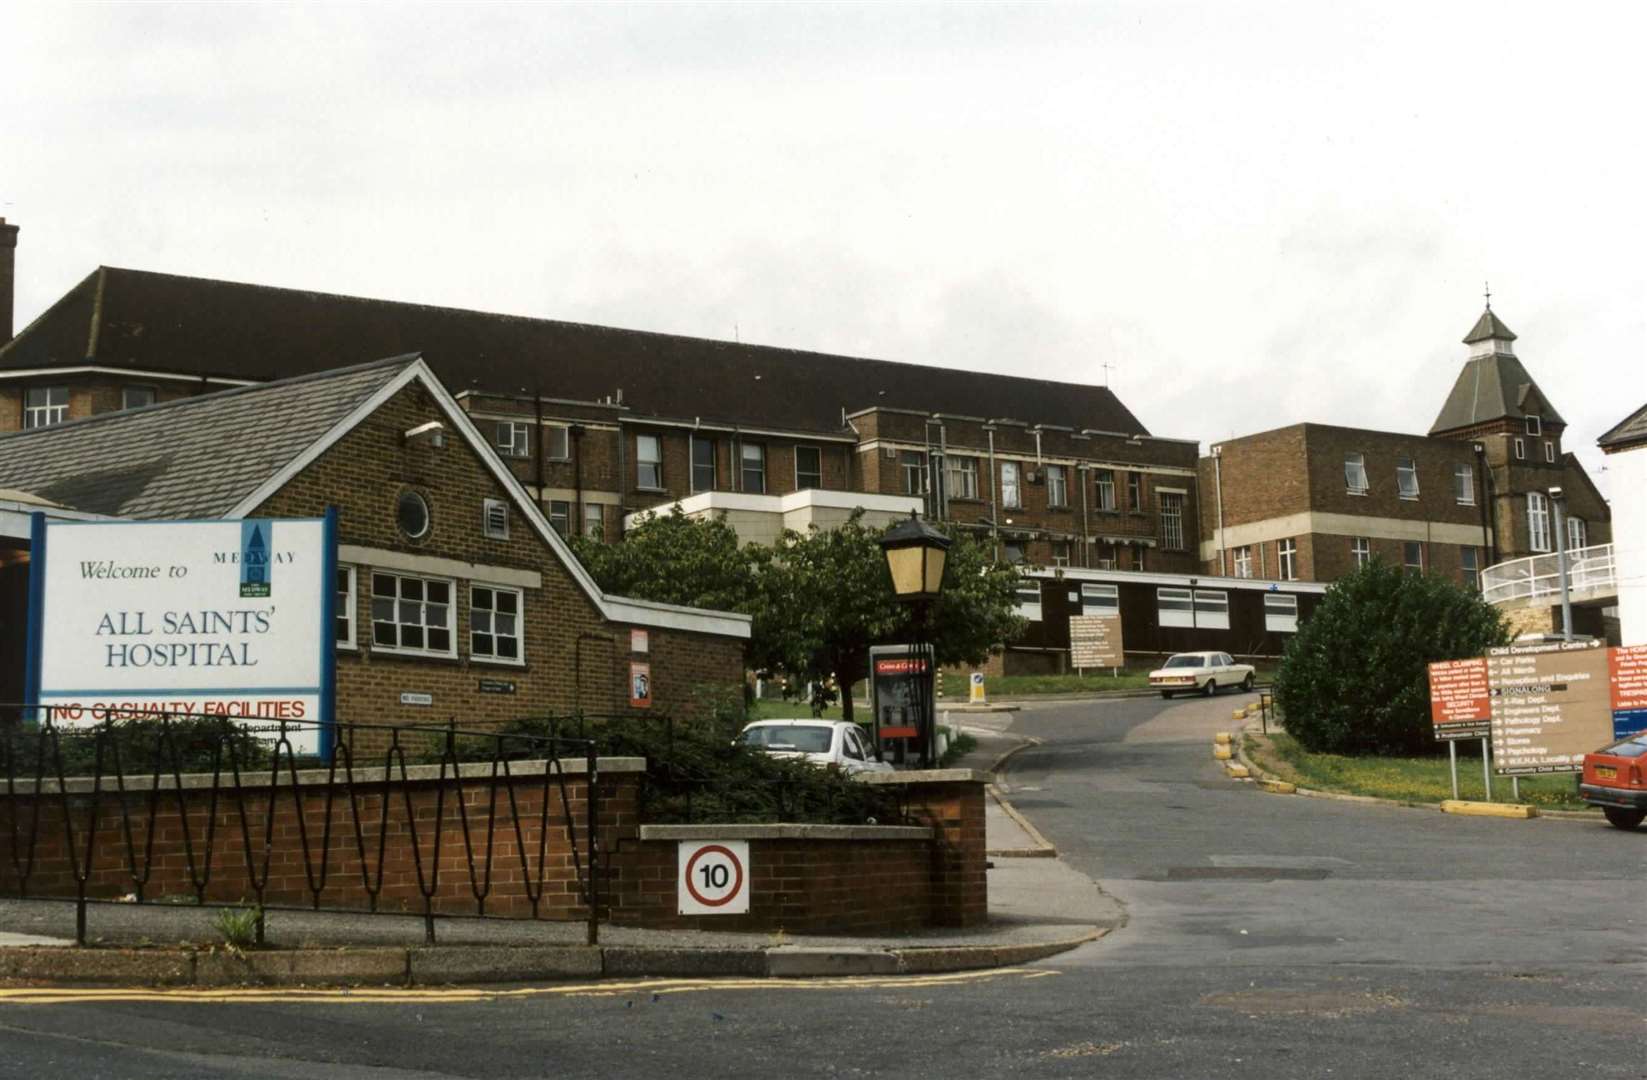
x: 1355, y: 680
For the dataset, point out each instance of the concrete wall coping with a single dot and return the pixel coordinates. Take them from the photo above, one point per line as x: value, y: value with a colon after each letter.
x: 370, y: 774
x: 929, y: 776
x: 785, y: 832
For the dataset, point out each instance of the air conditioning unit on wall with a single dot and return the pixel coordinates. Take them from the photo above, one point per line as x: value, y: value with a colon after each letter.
x: 1035, y: 476
x: 890, y: 452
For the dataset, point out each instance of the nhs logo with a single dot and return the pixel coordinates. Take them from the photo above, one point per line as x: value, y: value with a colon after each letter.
x: 255, y: 561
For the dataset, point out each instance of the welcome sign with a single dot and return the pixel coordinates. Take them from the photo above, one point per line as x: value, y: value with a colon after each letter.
x: 214, y: 618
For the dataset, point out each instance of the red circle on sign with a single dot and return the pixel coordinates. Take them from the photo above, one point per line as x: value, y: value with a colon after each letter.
x: 737, y: 871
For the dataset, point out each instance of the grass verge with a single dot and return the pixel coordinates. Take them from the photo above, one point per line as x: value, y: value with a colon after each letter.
x: 1412, y: 779
x: 1009, y: 686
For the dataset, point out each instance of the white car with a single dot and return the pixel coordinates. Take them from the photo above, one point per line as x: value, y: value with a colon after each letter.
x: 1200, y: 673
x: 822, y: 742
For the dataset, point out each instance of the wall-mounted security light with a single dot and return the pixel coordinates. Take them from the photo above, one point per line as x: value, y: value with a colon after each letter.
x: 431, y: 434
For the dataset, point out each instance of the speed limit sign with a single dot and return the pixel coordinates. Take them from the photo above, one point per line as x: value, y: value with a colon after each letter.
x: 713, y: 878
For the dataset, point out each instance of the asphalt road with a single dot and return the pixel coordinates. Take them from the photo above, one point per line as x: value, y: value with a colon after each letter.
x: 1267, y: 936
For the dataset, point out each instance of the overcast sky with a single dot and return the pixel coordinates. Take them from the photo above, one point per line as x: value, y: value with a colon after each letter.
x: 1254, y: 214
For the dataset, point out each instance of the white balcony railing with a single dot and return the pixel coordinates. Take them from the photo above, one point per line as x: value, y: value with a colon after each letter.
x: 1590, y: 575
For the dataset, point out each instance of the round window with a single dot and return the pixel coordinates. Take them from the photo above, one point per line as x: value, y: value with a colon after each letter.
x: 413, y: 515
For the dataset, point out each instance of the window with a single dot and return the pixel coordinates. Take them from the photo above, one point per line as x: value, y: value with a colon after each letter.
x: 1028, y: 595
x: 44, y: 406
x: 1011, y: 497
x: 1538, y: 521
x: 1412, y: 556
x: 1212, y: 609
x: 411, y: 614
x: 703, y: 464
x: 1286, y: 560
x: 753, y: 457
x: 1469, y: 565
x: 1406, y: 477
x: 494, y: 519
x: 557, y: 442
x: 594, y: 520
x: 1013, y: 552
x: 1355, y: 474
x: 648, y: 462
x: 412, y: 515
x: 1172, y: 521
x: 1520, y: 450
x: 1361, y: 550
x: 1280, y: 613
x: 1173, y: 607
x: 512, y: 438
x: 1060, y: 553
x: 1057, y: 495
x: 1243, y: 562
x: 1097, y: 599
x: 1577, y: 534
x: 1135, y: 492
x: 808, y: 468
x: 560, y: 516
x: 1106, y: 489
x: 494, y: 623
x: 343, y: 615
x: 1549, y: 452
x: 136, y: 397
x: 1535, y: 426
x: 912, y: 463
x: 963, y: 478
x: 1464, y: 485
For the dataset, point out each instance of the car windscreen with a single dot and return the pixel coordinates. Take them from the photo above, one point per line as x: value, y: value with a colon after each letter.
x: 1629, y: 747
x: 1186, y: 661
x: 801, y: 737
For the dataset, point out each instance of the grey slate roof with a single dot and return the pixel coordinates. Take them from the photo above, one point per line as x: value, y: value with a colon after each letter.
x: 1492, y: 387
x: 1632, y: 429
x: 191, y: 458
x: 1486, y: 327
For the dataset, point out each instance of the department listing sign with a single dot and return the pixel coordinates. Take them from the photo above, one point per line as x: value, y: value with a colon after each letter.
x: 218, y: 618
x: 1552, y: 704
x: 1095, y: 641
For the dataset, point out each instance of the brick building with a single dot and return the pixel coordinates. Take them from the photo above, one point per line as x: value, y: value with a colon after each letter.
x: 456, y: 598
x: 1310, y: 502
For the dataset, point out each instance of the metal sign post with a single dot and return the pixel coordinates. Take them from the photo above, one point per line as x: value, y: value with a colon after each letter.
x: 1452, y: 760
x: 1487, y: 768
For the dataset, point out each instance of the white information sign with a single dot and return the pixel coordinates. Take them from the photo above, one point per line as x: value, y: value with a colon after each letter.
x: 713, y: 877
x: 221, y: 618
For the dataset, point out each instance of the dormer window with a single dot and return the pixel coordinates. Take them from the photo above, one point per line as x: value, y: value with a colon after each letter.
x: 1534, y: 427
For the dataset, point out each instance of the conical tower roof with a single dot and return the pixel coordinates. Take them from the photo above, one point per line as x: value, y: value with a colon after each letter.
x: 1493, y: 385
x: 1487, y: 327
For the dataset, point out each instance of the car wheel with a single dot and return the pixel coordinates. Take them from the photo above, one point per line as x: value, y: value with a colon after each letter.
x: 1167, y: 694
x: 1246, y: 684
x: 1211, y: 688
x: 1624, y: 819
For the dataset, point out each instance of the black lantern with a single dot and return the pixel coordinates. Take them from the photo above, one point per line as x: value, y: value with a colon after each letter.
x: 915, y: 553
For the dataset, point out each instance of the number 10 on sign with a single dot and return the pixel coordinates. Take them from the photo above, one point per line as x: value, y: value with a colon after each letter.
x: 713, y: 877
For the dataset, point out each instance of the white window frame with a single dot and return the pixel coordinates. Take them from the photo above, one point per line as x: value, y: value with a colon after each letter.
x: 126, y: 393
x: 1578, y: 534
x: 53, y: 409
x: 1181, y: 611
x: 494, y: 519
x: 345, y: 604
x: 648, y: 466
x: 1469, y: 566
x: 1549, y: 452
x: 1355, y: 473
x: 1135, y: 491
x: 559, y: 520
x: 962, y: 473
x: 1012, y: 490
x: 752, y: 459
x: 557, y: 442
x: 512, y: 438
x: 594, y: 519
x: 912, y: 465
x: 1538, y: 522
x: 1243, y: 562
x: 1212, y: 609
x: 1407, y: 548
x: 1406, y: 473
x: 519, y: 636
x: 1281, y: 613
x: 713, y: 464
x: 1060, y: 553
x: 1098, y: 598
x: 1057, y: 490
x: 1360, y: 550
x: 1534, y: 426
x: 801, y: 485
x: 1172, y: 520
x: 1520, y: 450
x: 1286, y: 560
x: 450, y: 625
x: 1028, y: 608
x: 1104, y: 481
x: 1464, y: 485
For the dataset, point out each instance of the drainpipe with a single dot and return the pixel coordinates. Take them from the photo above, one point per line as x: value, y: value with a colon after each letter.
x: 1218, y: 493
x: 574, y: 435
x: 994, y: 498
x: 1488, y: 540
x: 1084, y: 475
x: 623, y: 476
x: 537, y: 402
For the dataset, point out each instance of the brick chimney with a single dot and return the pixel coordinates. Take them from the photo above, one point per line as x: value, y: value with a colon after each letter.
x: 8, y: 277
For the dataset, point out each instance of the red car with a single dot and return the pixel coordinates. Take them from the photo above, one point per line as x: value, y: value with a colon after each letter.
x: 1615, y: 779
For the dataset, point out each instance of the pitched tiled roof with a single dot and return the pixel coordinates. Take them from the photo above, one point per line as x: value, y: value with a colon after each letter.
x: 190, y: 458
x: 1491, y: 388
x: 1487, y: 327
x: 197, y: 326
x: 1632, y: 429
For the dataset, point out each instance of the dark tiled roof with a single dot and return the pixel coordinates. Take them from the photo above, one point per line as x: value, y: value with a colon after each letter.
x: 1487, y: 327
x: 190, y: 458
x: 200, y: 326
x: 1632, y: 429
x: 1492, y: 388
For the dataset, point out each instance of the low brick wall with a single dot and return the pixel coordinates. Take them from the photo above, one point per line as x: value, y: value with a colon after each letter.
x: 803, y: 878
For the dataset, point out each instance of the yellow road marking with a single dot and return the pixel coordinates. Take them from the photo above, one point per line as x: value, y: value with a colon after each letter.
x: 470, y: 995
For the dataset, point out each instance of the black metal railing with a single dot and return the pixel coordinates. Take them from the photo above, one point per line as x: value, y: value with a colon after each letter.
x: 389, y: 796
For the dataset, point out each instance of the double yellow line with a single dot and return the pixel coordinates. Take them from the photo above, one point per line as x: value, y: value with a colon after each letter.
x: 58, y: 995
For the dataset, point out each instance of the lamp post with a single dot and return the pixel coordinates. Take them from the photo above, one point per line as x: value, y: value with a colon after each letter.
x: 915, y: 555
x: 1558, y: 507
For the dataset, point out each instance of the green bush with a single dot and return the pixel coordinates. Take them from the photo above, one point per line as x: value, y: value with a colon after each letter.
x: 140, y: 747
x: 1354, y: 678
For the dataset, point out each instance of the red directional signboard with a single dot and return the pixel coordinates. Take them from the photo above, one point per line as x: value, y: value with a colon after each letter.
x: 1460, y: 700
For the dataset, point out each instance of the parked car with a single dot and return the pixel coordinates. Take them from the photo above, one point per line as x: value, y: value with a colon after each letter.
x: 822, y: 742
x: 1615, y: 779
x: 1201, y: 673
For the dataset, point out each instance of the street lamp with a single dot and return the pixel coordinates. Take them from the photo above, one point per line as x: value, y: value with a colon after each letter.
x: 1558, y: 508
x: 915, y: 555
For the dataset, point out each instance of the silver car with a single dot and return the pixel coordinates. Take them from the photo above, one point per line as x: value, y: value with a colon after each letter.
x: 822, y: 742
